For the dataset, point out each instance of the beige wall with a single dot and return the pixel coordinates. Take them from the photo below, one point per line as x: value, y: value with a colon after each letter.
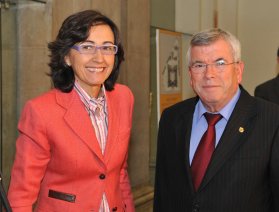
x: 259, y: 33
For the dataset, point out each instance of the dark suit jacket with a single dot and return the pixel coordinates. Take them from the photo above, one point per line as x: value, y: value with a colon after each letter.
x: 243, y: 175
x: 269, y: 90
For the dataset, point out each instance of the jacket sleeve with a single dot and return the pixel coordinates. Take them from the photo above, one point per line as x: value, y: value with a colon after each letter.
x: 126, y: 189
x: 160, y: 176
x: 31, y: 159
x: 260, y: 92
x: 274, y: 171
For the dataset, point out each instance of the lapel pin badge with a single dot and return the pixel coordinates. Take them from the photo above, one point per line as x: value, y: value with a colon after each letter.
x: 241, y: 129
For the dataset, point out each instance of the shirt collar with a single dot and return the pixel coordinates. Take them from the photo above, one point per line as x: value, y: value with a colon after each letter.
x: 91, y: 103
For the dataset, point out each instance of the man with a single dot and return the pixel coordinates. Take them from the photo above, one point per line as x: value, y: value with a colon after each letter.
x: 269, y: 90
x: 243, y: 172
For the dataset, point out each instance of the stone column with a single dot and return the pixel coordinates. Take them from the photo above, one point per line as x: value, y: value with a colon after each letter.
x: 137, y: 76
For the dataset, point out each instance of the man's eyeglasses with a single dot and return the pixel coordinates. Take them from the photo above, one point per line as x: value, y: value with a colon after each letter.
x: 219, y: 65
x: 89, y: 48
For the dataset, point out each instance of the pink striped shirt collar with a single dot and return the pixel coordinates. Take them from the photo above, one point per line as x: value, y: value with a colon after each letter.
x: 92, y: 103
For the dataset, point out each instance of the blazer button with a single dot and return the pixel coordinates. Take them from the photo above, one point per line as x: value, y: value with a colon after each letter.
x: 102, y: 176
x: 114, y: 209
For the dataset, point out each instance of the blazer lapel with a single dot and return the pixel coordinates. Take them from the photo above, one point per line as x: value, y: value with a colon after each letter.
x: 236, y: 132
x: 78, y: 120
x: 113, y: 124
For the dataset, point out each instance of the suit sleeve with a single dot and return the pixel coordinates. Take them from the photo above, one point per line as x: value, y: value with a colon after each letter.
x: 31, y: 159
x: 125, y: 185
x: 257, y: 92
x: 274, y: 171
x: 260, y: 92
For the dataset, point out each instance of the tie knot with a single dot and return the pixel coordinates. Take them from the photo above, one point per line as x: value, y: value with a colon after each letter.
x: 212, y: 119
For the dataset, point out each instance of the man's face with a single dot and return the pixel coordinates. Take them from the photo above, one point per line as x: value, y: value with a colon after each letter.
x: 215, y: 87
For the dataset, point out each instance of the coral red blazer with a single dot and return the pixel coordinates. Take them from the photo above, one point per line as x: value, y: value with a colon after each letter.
x: 58, y: 160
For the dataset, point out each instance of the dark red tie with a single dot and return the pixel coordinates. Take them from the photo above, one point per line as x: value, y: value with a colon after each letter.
x: 205, y: 149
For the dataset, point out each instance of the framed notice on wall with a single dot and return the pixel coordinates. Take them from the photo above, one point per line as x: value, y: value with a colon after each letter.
x: 169, y: 70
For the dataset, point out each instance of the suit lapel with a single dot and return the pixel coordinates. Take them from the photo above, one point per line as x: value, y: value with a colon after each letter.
x: 78, y: 120
x: 187, y: 138
x: 113, y: 124
x: 236, y: 132
x: 183, y: 135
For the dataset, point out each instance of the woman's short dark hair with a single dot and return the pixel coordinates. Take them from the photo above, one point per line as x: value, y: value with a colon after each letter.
x: 76, y: 29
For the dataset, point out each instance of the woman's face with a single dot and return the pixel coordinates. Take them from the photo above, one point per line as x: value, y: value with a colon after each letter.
x: 91, y: 70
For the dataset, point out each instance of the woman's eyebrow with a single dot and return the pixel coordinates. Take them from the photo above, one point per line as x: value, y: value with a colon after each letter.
x: 105, y: 42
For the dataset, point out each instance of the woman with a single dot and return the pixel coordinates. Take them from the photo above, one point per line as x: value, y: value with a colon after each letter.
x: 71, y: 154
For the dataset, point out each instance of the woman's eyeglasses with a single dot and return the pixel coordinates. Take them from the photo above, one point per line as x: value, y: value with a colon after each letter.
x: 89, y: 48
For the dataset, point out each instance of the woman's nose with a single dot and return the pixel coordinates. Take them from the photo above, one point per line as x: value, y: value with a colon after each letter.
x: 98, y: 56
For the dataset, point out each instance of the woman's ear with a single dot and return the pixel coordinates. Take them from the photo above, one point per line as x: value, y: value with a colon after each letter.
x: 67, y: 60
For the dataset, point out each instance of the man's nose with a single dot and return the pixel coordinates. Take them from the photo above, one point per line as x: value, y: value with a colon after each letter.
x: 210, y: 69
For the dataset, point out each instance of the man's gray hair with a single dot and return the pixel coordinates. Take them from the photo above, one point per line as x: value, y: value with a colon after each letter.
x: 209, y: 36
